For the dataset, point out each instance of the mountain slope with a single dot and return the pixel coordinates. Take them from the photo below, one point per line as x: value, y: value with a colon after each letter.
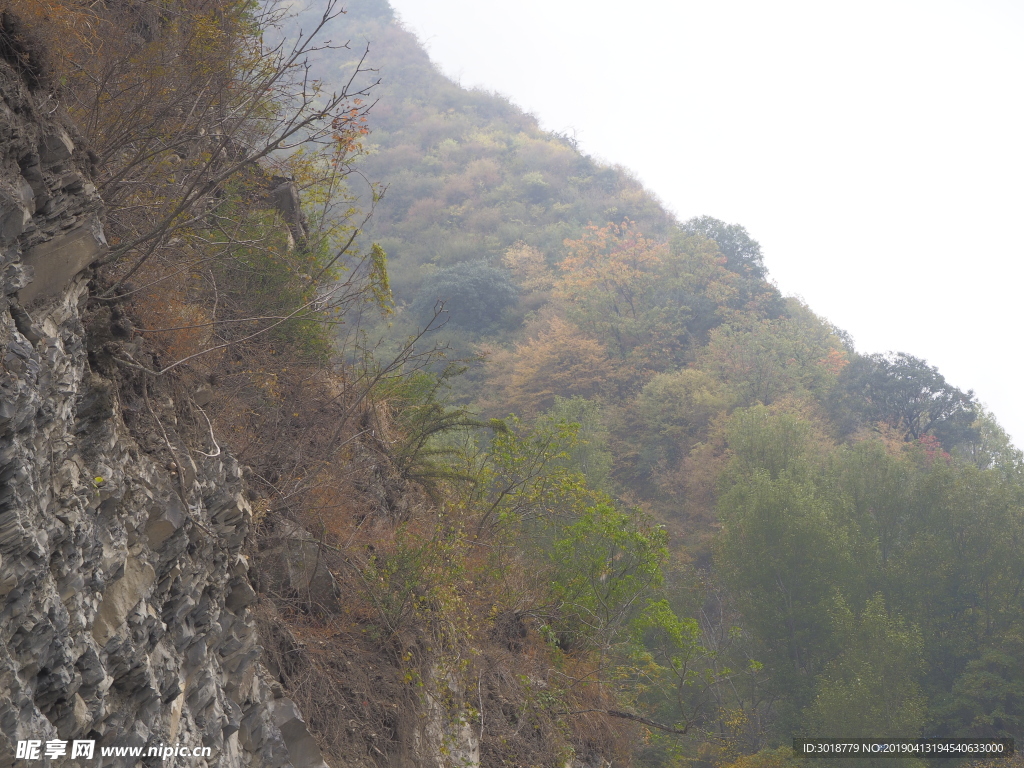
x: 685, y: 367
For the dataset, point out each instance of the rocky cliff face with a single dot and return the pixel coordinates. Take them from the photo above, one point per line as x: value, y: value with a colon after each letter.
x: 124, y: 591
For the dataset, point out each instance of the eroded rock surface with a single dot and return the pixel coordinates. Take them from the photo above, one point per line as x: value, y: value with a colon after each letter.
x: 124, y: 593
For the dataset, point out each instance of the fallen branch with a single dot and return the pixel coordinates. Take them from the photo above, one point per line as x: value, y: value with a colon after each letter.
x: 629, y: 716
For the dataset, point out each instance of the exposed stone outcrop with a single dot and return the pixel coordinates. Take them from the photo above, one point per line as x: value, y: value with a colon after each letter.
x: 124, y: 594
x: 284, y: 197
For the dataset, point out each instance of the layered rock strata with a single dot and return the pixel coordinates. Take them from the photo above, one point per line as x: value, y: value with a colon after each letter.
x: 124, y: 593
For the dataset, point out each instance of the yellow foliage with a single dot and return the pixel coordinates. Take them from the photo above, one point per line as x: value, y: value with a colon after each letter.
x: 529, y: 267
x: 611, y: 268
x: 558, y: 360
x: 780, y: 757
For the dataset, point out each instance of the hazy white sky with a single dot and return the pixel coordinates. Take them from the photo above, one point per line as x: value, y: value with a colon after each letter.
x: 875, y: 149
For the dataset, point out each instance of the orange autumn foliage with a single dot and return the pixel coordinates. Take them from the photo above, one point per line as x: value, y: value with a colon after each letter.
x: 556, y: 360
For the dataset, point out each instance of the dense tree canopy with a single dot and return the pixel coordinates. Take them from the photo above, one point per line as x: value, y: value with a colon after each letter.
x: 909, y: 396
x: 709, y: 517
x: 819, y: 499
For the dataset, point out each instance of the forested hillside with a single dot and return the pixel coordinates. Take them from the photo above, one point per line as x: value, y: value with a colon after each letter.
x: 834, y: 518
x: 540, y: 476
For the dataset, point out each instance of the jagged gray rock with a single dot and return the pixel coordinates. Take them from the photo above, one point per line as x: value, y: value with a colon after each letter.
x: 55, y: 262
x: 124, y: 595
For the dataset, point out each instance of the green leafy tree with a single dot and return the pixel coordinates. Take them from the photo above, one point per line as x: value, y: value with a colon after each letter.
x: 675, y: 409
x: 960, y: 572
x: 783, y: 549
x: 988, y: 698
x: 991, y: 447
x: 607, y: 571
x: 589, y: 455
x: 742, y: 253
x: 870, y: 688
x: 474, y: 295
x: 796, y: 355
x: 881, y: 490
x: 605, y: 562
x: 433, y: 431
x: 524, y: 477
x: 907, y: 394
